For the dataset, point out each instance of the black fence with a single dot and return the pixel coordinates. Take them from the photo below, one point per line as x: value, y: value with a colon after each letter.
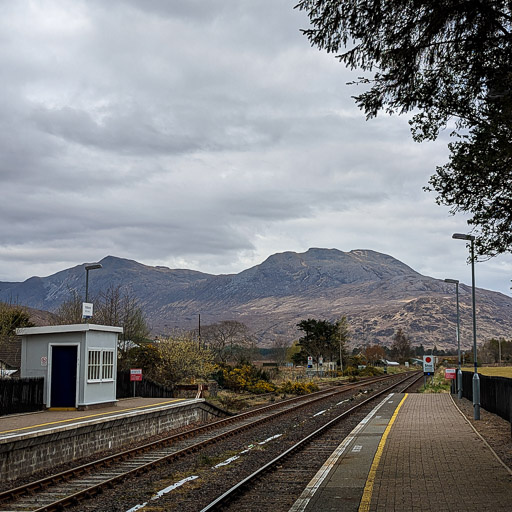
x: 145, y: 388
x: 495, y: 393
x: 21, y: 395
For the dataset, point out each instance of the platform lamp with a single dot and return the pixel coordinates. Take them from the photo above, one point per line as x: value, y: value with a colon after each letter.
x: 459, y: 371
x: 476, y: 378
x: 94, y: 266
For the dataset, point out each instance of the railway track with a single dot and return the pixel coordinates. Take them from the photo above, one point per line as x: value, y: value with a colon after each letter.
x: 276, y: 485
x: 68, y: 488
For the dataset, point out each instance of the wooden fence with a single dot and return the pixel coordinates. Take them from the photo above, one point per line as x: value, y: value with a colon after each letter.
x: 145, y: 388
x: 21, y: 395
x: 495, y: 393
x: 26, y: 395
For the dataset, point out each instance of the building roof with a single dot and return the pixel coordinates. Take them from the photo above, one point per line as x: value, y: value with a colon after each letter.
x: 391, y: 363
x: 54, y: 329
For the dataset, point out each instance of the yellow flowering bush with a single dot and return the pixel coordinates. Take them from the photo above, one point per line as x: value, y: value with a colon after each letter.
x: 298, y: 388
x: 262, y: 386
x: 246, y: 378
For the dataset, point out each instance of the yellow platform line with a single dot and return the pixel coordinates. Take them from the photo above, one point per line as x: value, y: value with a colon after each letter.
x: 91, y: 416
x: 364, y: 506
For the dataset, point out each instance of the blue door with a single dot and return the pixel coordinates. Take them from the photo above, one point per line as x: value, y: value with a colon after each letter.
x: 63, y: 393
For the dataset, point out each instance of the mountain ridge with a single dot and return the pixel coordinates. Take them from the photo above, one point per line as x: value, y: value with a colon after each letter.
x: 377, y: 293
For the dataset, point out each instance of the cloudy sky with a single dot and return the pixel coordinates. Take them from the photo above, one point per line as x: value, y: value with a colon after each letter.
x: 203, y: 134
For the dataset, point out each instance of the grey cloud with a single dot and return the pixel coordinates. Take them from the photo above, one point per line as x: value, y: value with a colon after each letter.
x: 207, y: 133
x: 126, y: 132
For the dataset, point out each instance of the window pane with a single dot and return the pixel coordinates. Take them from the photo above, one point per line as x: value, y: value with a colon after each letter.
x: 94, y: 362
x: 108, y: 364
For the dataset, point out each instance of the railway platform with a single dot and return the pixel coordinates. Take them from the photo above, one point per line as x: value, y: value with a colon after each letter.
x: 413, y: 452
x: 34, y: 441
x: 35, y: 423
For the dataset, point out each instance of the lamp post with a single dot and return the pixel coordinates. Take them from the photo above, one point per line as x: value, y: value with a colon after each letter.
x: 476, y: 378
x: 87, y: 268
x: 199, y: 331
x: 459, y: 371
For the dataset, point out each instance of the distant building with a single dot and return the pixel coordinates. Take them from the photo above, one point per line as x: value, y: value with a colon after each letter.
x: 386, y: 362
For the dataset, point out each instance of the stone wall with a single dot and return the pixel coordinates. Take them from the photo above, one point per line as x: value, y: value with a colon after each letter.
x: 23, y: 455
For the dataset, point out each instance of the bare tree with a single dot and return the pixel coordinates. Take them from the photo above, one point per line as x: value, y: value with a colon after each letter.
x: 70, y: 311
x: 280, y: 348
x: 343, y: 335
x: 12, y: 316
x: 112, y: 307
x: 122, y: 309
x: 401, y: 346
x: 374, y: 353
x: 226, y: 338
x: 181, y: 359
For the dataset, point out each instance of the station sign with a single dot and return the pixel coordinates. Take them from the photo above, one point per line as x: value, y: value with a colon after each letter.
x: 428, y: 365
x: 135, y: 374
x: 450, y: 373
x: 310, y: 361
x: 86, y: 310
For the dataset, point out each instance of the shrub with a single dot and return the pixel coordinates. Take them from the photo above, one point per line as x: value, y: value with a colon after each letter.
x: 371, y: 371
x: 298, y: 388
x: 262, y: 386
x: 231, y: 403
x: 245, y: 377
x: 351, y: 371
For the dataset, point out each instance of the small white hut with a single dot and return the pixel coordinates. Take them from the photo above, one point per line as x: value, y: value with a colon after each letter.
x: 78, y: 363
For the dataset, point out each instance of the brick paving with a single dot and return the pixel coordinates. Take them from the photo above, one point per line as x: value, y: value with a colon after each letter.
x: 433, y: 460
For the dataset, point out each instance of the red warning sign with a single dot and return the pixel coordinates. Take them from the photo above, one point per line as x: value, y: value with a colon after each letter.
x: 135, y: 374
x: 450, y: 373
x: 428, y: 364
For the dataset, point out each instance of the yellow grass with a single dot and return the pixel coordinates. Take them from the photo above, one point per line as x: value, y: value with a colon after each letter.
x: 492, y: 371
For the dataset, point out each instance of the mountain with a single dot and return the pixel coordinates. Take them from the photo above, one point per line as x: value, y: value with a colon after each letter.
x: 376, y: 292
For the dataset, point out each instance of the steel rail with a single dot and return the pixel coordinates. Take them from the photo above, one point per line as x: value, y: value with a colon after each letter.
x: 284, y: 406
x: 224, y: 499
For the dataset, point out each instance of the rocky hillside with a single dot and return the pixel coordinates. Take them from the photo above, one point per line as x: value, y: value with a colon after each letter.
x: 375, y: 291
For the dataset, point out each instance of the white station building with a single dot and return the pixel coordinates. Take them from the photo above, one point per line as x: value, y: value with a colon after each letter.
x: 78, y: 363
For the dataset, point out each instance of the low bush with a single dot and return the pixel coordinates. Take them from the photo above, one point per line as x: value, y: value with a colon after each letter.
x: 245, y: 377
x: 436, y: 384
x: 298, y: 388
x: 261, y: 386
x: 371, y: 371
x: 350, y: 371
x: 231, y: 403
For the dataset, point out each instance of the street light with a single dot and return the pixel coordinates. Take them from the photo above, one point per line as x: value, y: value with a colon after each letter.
x: 476, y: 378
x: 459, y: 371
x: 87, y: 268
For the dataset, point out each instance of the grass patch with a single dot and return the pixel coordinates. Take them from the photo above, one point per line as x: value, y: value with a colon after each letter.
x: 158, y: 485
x: 231, y: 401
x: 436, y: 384
x: 492, y: 371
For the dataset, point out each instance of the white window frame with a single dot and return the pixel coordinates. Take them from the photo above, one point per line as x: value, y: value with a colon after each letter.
x: 99, y: 369
x: 107, y: 366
